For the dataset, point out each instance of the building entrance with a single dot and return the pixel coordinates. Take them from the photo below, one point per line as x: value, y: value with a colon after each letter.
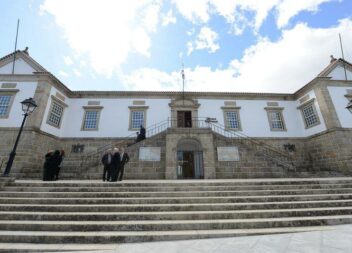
x: 189, y: 160
x: 184, y: 119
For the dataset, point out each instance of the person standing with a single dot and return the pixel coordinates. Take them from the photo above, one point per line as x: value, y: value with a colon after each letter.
x: 124, y: 160
x: 107, y: 161
x: 115, y: 164
x: 48, y: 166
x: 59, y: 161
x: 56, y: 161
x: 142, y: 133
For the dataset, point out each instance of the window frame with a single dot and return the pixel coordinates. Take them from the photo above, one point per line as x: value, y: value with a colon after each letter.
x: 305, y: 105
x: 60, y: 103
x: 91, y: 109
x: 134, y: 109
x: 235, y: 109
x: 270, y: 121
x: 12, y: 93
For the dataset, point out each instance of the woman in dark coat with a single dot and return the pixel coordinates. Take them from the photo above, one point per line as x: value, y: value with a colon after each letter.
x: 56, y: 161
x: 48, y: 166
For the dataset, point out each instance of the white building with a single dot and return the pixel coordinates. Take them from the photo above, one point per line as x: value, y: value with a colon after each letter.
x: 256, y: 134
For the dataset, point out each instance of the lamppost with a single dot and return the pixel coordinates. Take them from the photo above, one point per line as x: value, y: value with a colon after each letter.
x: 28, y: 106
x: 349, y: 106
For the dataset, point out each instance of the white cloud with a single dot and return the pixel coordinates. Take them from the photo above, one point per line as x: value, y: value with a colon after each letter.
x: 77, y: 72
x: 63, y: 73
x: 206, y: 39
x: 106, y: 30
x: 290, y: 8
x: 193, y: 10
x: 234, y: 11
x: 168, y: 18
x: 282, y: 66
x: 68, y: 61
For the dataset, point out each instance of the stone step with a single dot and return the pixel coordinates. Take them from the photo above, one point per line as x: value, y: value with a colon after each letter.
x: 67, y: 247
x: 179, y: 215
x: 172, y: 207
x: 175, y: 194
x: 137, y: 236
x: 117, y: 188
x: 174, y: 225
x: 188, y: 183
x: 173, y: 200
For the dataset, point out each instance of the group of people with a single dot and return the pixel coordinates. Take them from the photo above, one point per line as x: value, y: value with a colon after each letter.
x: 114, y: 161
x: 52, y: 163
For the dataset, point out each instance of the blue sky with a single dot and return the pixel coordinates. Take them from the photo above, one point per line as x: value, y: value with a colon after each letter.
x: 243, y: 45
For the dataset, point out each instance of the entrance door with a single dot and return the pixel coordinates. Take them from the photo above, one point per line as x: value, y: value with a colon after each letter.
x: 184, y: 119
x: 190, y: 164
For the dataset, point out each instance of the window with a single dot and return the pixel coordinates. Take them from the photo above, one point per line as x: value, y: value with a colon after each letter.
x: 55, y: 114
x: 5, y: 101
x: 137, y: 117
x: 310, y: 116
x: 276, y: 119
x: 232, y: 117
x: 91, y: 117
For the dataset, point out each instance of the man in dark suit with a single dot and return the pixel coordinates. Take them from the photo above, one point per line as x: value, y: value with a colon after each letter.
x: 124, y: 160
x: 115, y: 164
x: 142, y: 133
x: 107, y: 161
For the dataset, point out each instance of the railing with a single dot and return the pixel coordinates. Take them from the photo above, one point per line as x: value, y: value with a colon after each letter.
x: 273, y: 153
x: 93, y: 158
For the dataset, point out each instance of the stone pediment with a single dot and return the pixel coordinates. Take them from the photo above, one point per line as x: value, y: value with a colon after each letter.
x: 184, y: 103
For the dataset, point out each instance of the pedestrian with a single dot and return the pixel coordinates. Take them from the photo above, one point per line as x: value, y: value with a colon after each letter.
x: 142, y: 133
x: 106, y: 161
x: 59, y: 161
x: 124, y: 160
x: 48, y: 165
x: 115, y: 164
x: 56, y: 162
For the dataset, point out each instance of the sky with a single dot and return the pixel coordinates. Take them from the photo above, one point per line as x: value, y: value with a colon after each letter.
x: 225, y: 45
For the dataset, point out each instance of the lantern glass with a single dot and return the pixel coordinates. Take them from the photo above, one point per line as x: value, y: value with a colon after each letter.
x: 28, y: 105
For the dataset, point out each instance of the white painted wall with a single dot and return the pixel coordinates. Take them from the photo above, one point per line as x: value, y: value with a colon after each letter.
x: 339, y: 74
x: 21, y: 67
x: 114, y: 118
x: 340, y: 102
x: 254, y: 119
x: 26, y: 90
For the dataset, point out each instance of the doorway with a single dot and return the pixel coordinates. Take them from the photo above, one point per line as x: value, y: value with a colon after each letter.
x: 189, y: 160
x: 184, y: 118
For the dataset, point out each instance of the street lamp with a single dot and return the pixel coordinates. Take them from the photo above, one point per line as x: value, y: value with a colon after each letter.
x: 28, y: 106
x: 349, y: 106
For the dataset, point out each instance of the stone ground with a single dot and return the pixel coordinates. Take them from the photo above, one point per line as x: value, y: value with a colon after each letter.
x: 334, y: 239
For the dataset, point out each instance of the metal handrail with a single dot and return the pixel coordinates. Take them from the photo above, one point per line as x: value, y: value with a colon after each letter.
x: 93, y: 157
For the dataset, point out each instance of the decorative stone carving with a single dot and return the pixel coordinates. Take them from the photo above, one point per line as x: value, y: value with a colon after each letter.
x: 149, y: 153
x: 228, y: 154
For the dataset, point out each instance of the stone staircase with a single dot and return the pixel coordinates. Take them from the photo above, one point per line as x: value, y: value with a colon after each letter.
x: 43, y: 216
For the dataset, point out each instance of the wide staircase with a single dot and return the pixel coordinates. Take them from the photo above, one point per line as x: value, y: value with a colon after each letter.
x: 66, y: 215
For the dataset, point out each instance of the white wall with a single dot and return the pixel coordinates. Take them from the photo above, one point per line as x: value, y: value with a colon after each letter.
x: 26, y: 90
x: 340, y: 102
x: 253, y: 116
x: 114, y: 117
x: 21, y: 67
x: 339, y: 74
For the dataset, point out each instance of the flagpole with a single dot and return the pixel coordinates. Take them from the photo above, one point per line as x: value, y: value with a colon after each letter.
x: 343, y: 57
x: 183, y: 83
x: 14, y: 55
